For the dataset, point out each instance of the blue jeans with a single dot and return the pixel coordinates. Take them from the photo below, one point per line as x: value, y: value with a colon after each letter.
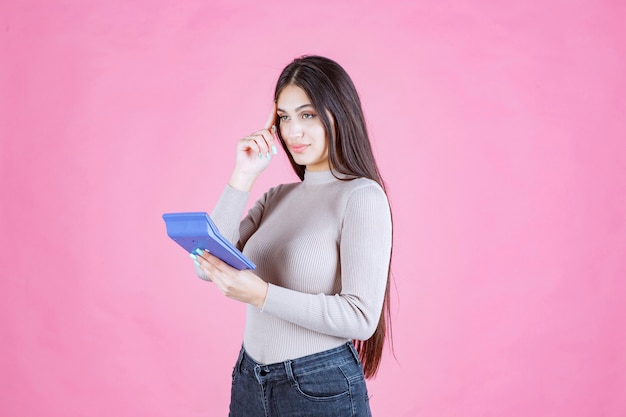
x: 328, y: 383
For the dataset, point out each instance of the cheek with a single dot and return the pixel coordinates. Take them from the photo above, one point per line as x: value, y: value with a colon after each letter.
x: 320, y: 136
x: 282, y: 128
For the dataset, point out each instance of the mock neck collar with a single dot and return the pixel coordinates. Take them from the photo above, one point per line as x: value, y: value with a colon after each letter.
x: 320, y: 177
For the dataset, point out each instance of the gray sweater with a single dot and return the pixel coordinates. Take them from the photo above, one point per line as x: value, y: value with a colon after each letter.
x: 323, y: 245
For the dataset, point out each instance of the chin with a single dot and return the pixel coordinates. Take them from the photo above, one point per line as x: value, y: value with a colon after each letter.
x: 300, y: 161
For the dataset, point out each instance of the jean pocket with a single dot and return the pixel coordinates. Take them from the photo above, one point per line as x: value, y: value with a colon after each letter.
x: 323, y: 384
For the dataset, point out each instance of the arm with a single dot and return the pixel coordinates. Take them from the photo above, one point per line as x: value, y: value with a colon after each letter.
x: 365, y: 250
x: 253, y: 156
x: 227, y: 217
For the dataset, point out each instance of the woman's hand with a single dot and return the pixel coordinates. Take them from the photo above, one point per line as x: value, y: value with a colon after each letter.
x: 244, y: 285
x: 253, y: 154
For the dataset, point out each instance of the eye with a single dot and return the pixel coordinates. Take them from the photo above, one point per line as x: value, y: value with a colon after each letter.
x: 283, y: 117
x: 307, y: 115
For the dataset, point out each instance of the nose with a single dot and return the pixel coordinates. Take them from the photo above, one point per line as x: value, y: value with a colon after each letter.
x: 294, y: 130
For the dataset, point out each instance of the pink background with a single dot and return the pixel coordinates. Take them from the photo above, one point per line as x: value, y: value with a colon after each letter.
x: 499, y: 127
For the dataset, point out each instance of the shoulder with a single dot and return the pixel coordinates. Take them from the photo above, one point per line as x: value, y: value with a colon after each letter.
x: 364, y: 188
x: 364, y: 194
x: 283, y: 188
x: 279, y: 191
x: 366, y: 209
x: 363, y: 182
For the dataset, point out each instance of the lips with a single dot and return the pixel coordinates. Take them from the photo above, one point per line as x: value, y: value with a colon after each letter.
x: 298, y: 148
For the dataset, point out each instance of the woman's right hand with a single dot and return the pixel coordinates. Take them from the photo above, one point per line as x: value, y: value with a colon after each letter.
x: 254, y: 153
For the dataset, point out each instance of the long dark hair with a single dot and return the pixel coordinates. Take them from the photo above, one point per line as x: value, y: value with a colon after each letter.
x: 331, y: 90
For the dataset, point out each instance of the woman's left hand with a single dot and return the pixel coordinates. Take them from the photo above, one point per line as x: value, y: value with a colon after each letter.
x: 242, y: 285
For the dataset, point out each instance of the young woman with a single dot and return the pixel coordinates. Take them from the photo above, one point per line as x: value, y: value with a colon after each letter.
x: 318, y: 301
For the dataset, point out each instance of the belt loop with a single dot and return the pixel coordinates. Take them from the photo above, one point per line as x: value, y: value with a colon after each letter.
x: 357, y: 358
x: 289, y: 372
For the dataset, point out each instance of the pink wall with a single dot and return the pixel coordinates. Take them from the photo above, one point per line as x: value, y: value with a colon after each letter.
x: 501, y: 133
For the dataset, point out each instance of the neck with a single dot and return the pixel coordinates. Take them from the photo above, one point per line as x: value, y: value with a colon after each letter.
x: 318, y: 177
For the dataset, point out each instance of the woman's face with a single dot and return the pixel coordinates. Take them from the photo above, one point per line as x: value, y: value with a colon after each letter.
x: 302, y: 130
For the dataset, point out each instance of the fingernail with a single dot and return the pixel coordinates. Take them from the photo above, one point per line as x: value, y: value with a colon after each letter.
x: 274, y: 150
x: 268, y: 156
x: 199, y: 251
x: 192, y: 256
x: 260, y: 155
x: 274, y: 129
x: 196, y: 262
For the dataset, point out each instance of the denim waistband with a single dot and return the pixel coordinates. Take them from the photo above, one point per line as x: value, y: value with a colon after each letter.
x: 282, y: 370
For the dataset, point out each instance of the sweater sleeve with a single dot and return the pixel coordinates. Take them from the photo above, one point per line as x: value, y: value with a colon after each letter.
x: 365, y: 250
x: 228, y: 211
x: 227, y: 215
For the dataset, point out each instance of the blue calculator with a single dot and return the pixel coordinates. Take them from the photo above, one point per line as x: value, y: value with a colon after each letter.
x: 195, y: 230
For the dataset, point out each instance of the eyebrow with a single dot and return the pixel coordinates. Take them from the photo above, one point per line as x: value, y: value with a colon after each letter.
x: 297, y: 108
